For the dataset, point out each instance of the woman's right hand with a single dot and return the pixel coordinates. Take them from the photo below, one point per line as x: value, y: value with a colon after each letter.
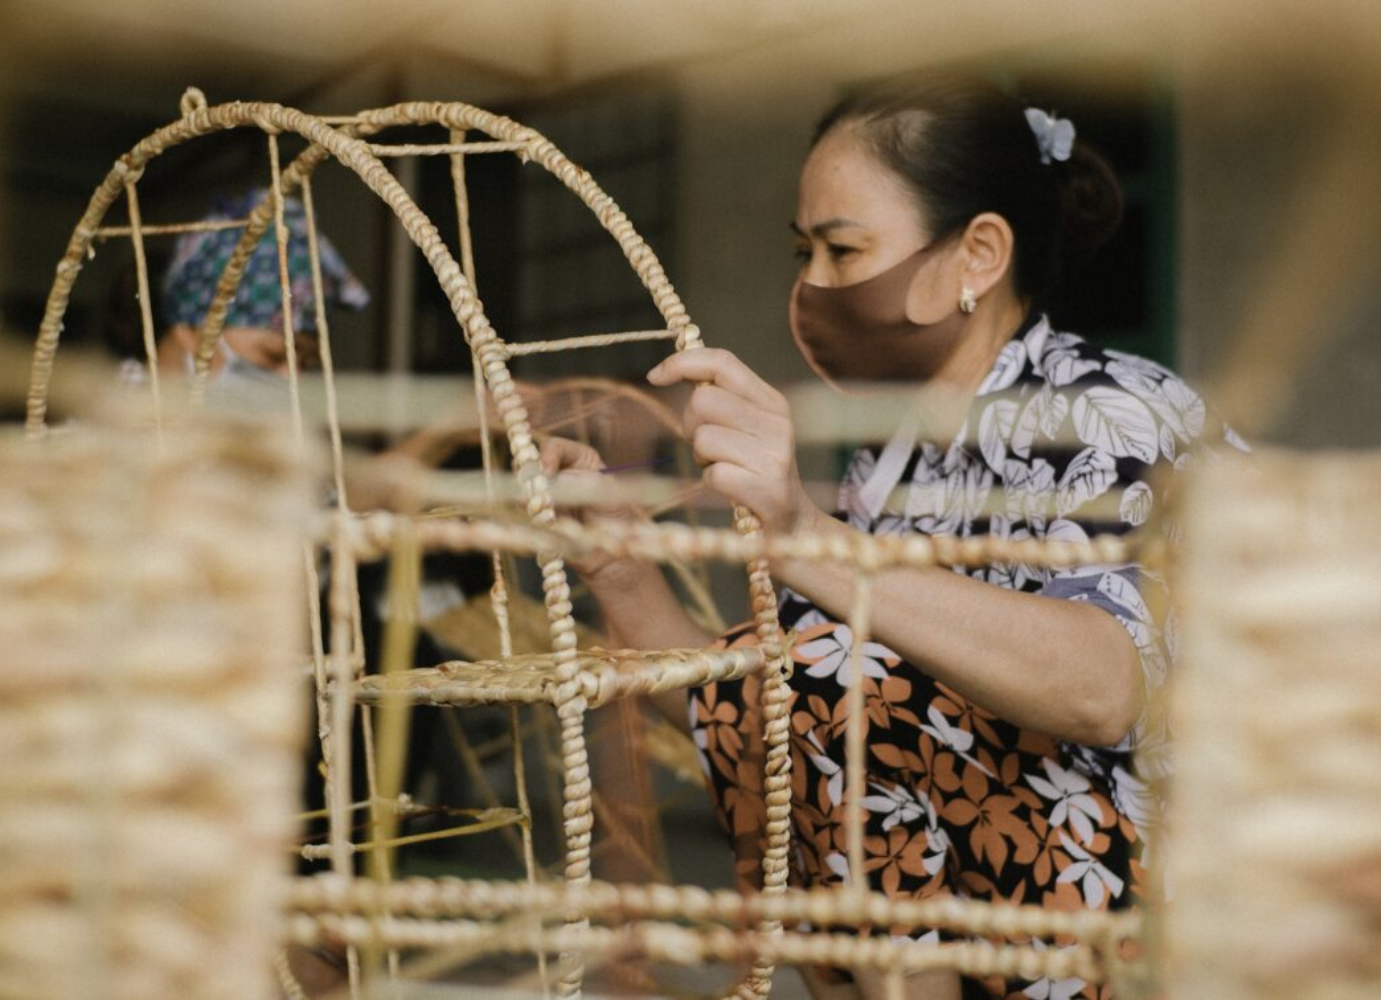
x: 567, y: 460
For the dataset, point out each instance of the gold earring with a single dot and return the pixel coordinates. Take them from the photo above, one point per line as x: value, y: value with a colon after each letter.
x: 968, y: 302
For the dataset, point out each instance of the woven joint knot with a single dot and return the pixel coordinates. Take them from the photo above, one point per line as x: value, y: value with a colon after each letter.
x: 193, y: 100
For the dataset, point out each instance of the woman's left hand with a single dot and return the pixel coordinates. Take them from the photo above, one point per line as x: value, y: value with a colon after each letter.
x: 740, y: 431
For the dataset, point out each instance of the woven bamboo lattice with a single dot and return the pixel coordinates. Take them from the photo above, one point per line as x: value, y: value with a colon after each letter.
x: 151, y: 722
x: 570, y: 680
x: 1275, y: 833
x: 604, y: 676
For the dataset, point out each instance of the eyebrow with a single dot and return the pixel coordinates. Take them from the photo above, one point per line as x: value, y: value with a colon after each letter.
x: 821, y: 228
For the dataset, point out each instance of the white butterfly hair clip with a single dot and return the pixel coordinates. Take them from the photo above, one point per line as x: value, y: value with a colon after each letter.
x: 1054, y: 136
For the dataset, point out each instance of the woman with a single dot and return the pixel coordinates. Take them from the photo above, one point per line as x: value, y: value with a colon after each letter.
x: 1003, y: 705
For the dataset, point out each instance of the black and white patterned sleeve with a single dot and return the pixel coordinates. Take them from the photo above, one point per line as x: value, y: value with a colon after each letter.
x: 1133, y: 427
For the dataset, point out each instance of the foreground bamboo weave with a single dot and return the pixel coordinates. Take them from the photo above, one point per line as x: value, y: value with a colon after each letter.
x: 449, y: 897
x: 151, y: 723
x: 1275, y: 833
x: 571, y: 681
x: 373, y: 536
x: 603, y: 677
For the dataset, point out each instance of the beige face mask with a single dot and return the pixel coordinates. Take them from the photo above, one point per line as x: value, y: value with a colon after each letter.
x: 861, y: 332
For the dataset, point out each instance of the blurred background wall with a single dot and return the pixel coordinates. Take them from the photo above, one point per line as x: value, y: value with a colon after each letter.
x: 695, y: 116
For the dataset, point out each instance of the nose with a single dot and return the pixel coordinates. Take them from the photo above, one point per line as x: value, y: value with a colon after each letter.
x: 817, y: 270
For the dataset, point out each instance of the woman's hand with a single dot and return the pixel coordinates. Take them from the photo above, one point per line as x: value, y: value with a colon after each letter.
x: 564, y: 459
x: 639, y: 608
x: 739, y: 429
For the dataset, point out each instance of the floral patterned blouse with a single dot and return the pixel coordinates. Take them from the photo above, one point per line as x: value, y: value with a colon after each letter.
x: 1064, y: 440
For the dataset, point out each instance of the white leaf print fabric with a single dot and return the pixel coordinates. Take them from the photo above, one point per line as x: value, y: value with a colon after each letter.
x: 1042, y: 416
x: 1065, y: 438
x: 1007, y: 368
x: 1062, y: 363
x: 995, y: 430
x: 1136, y: 502
x: 1088, y: 477
x: 1116, y: 422
x: 1074, y: 807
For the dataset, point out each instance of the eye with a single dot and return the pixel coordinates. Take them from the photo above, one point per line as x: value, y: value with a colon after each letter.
x: 839, y: 251
x: 802, y: 254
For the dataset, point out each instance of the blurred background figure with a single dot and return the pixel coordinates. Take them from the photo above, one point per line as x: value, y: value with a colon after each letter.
x: 253, y: 343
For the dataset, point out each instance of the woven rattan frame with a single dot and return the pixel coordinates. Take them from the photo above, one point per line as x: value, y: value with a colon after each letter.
x: 571, y: 680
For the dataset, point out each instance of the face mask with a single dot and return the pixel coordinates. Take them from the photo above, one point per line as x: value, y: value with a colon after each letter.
x: 861, y: 331
x: 243, y: 385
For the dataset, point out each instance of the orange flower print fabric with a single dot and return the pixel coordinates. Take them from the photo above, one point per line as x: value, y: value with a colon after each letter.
x: 958, y: 801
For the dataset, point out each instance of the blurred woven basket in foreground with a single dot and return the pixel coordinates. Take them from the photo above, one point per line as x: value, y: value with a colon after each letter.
x: 151, y: 713
x: 1275, y: 832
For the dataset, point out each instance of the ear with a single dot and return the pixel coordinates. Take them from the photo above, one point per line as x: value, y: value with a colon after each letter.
x: 980, y: 257
x: 933, y: 294
x: 987, y: 248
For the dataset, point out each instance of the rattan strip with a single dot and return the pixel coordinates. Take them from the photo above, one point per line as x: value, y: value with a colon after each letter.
x: 287, y: 982
x: 498, y: 594
x: 280, y: 237
x: 141, y: 270
x: 373, y: 536
x: 446, y: 148
x: 454, y: 897
x: 528, y: 679
x: 323, y: 333
x: 336, y: 746
x: 174, y: 228
x: 776, y: 698
x: 672, y: 943
x: 589, y: 340
x: 855, y: 729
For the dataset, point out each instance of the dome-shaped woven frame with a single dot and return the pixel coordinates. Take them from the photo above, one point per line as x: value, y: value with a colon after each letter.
x: 568, y: 682
x: 490, y: 358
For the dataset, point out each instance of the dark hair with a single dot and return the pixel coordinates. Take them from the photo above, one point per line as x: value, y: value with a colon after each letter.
x: 120, y: 324
x: 965, y: 147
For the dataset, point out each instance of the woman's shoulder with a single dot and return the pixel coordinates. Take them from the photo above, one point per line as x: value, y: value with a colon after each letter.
x: 1121, y: 403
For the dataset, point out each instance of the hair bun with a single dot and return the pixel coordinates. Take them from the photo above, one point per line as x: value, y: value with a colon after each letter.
x: 1090, y: 203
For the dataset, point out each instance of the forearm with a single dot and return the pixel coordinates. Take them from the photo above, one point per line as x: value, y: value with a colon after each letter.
x: 1059, y: 667
x: 640, y: 611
